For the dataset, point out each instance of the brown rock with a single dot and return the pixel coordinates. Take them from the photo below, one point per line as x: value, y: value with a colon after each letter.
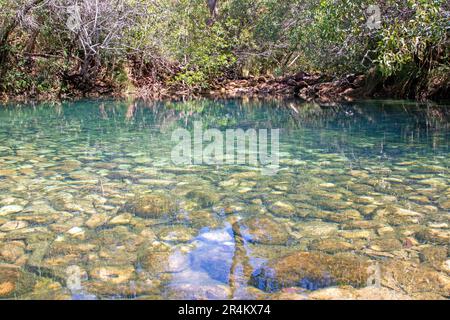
x: 264, y: 230
x: 433, y: 255
x: 413, y: 278
x: 13, y: 281
x: 311, y: 270
x: 151, y: 206
x: 331, y: 245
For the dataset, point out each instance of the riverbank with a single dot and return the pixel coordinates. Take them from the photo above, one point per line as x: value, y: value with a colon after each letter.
x: 311, y: 87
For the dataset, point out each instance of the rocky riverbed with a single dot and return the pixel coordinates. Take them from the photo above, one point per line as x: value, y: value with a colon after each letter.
x: 90, y: 209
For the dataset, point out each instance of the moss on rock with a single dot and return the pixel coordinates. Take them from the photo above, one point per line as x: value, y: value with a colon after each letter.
x: 311, y: 270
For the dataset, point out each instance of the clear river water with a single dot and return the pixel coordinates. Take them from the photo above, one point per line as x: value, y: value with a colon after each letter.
x: 93, y: 206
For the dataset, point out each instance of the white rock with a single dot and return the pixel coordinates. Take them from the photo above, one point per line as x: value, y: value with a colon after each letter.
x: 76, y: 232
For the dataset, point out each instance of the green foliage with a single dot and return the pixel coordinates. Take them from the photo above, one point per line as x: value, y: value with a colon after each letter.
x: 411, y: 40
x: 247, y: 38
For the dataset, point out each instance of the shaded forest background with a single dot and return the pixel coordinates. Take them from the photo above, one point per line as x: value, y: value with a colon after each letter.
x: 64, y: 48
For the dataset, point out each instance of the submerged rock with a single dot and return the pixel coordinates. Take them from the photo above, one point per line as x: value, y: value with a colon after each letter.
x: 97, y: 220
x: 348, y: 293
x: 204, y: 199
x: 151, y: 206
x: 122, y: 219
x: 177, y: 233
x: 4, y: 211
x: 445, y: 205
x: 169, y: 261
x: 434, y: 256
x: 113, y: 274
x: 311, y: 270
x: 436, y: 236
x: 356, y: 234
x: 317, y: 229
x: 264, y: 230
x: 386, y: 245
x: 201, y: 219
x: 283, y: 209
x: 12, y: 251
x: 331, y: 245
x: 13, y: 225
x: 14, y: 282
x: 414, y: 279
x: 188, y: 291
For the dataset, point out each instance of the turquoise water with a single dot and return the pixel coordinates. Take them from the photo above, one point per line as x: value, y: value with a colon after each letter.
x: 92, y: 205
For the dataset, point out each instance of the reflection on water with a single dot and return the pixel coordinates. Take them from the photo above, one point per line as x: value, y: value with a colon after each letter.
x: 91, y: 206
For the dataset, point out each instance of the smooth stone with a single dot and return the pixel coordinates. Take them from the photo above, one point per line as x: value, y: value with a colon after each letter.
x: 282, y: 209
x: 189, y: 291
x: 177, y: 234
x: 312, y: 271
x: 10, y: 210
x: 368, y: 210
x: 383, y: 231
x: 203, y: 198
x: 201, y: 219
x: 331, y: 245
x: 264, y: 230
x: 14, y: 282
x: 229, y: 183
x: 7, y: 172
x: 97, y: 220
x: 327, y: 185
x: 437, y: 236
x: 420, y: 199
x: 355, y: 234
x: 11, y: 252
x: 317, y: 229
x: 172, y: 261
x: 412, y: 278
x: 446, y: 266
x: 398, y: 216
x: 435, y: 256
x: 157, y: 182
x: 39, y: 208
x: 13, y: 225
x: 386, y: 245
x: 151, y: 206
x: 437, y: 225
x: 122, y: 219
x: 349, y: 293
x: 113, y: 274
x: 445, y: 205
x: 359, y: 174
x: 360, y: 224
x: 96, y: 199
x: 408, y: 213
x: 76, y: 232
x: 47, y: 289
x: 435, y: 182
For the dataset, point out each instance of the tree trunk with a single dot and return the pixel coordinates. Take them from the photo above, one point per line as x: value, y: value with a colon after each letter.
x: 212, y: 5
